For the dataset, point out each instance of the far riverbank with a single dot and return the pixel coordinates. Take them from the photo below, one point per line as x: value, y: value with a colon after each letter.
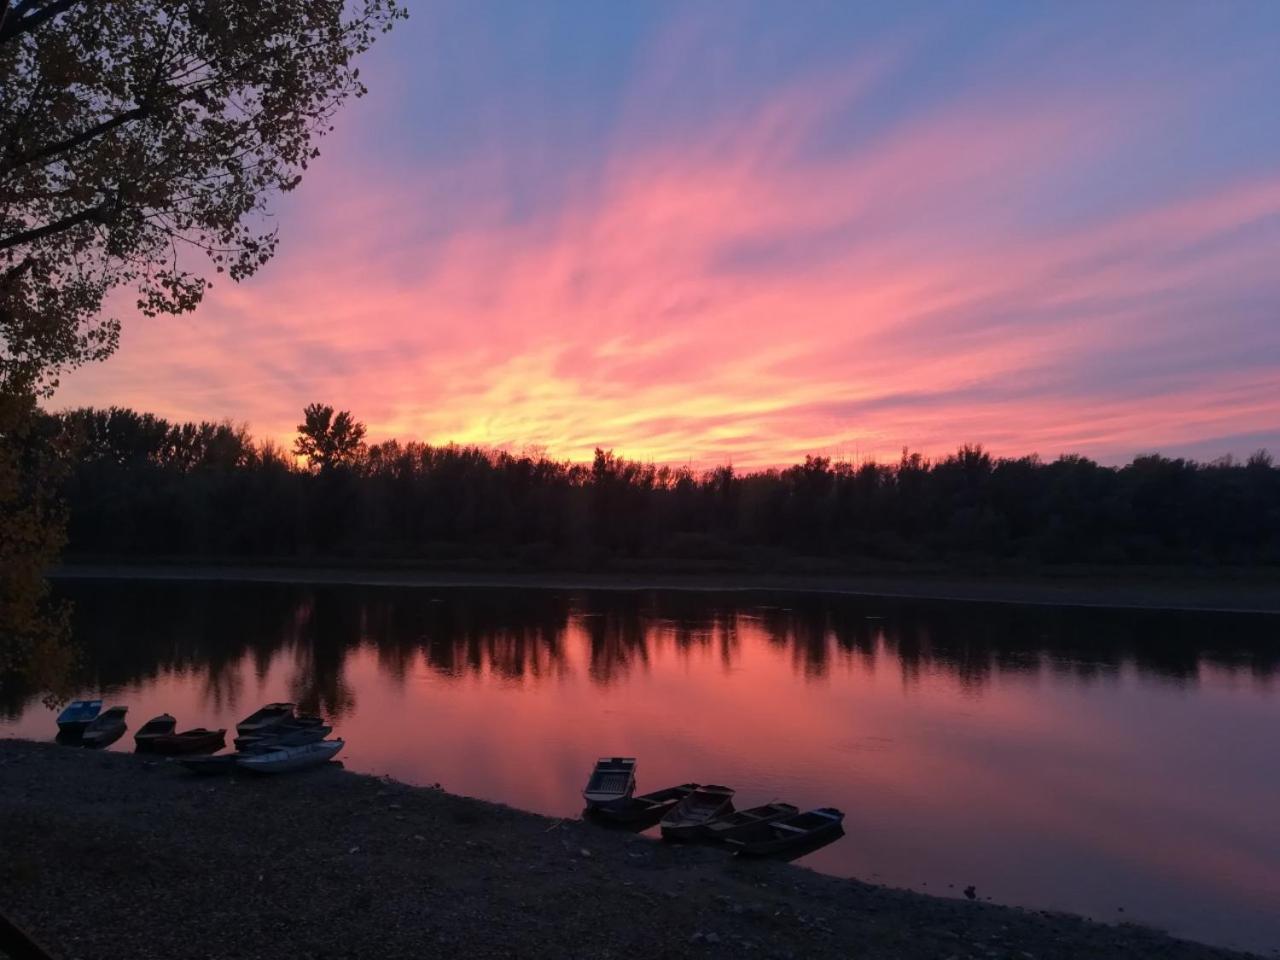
x: 117, y: 855
x: 1256, y: 592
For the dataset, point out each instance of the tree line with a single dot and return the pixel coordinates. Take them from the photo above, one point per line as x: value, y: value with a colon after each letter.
x: 140, y: 486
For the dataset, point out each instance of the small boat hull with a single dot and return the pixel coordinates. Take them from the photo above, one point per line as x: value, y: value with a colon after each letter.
x: 198, y: 740
x: 791, y: 836
x: 106, y: 728
x: 160, y: 726
x: 743, y: 822
x: 76, y: 717
x: 289, y: 759
x: 612, y: 781
x: 689, y: 818
x: 263, y: 719
x: 645, y: 807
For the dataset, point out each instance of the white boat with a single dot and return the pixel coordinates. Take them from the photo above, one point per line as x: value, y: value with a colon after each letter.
x: 286, y: 759
x: 612, y: 780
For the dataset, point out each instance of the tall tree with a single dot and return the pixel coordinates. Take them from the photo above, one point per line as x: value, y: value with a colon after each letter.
x: 134, y: 133
x: 141, y: 142
x: 326, y: 440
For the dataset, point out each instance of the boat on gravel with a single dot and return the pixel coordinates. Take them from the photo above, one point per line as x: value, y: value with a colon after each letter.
x: 264, y: 718
x: 106, y: 728
x: 287, y: 737
x: 742, y: 822
x: 160, y: 726
x: 644, y: 807
x: 288, y: 759
x: 688, y: 819
x: 287, y: 734
x: 198, y: 740
x: 78, y: 715
x: 613, y: 779
x: 778, y: 838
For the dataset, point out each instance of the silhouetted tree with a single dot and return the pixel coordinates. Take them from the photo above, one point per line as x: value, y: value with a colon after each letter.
x: 326, y: 440
x: 143, y: 486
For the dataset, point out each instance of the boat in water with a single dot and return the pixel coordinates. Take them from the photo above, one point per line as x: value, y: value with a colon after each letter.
x: 77, y: 715
x: 283, y: 737
x: 263, y: 719
x: 644, y: 807
x: 612, y: 780
x: 106, y: 728
x: 198, y: 740
x: 288, y: 733
x: 688, y: 819
x: 288, y: 759
x: 742, y: 822
x: 790, y: 835
x: 160, y: 726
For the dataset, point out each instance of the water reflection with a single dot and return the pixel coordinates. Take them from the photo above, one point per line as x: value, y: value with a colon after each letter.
x: 134, y: 632
x: 1058, y: 758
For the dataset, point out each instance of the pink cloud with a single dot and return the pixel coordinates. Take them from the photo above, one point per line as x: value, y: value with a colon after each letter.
x: 732, y: 297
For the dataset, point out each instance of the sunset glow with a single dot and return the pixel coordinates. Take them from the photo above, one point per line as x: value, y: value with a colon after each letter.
x: 695, y: 235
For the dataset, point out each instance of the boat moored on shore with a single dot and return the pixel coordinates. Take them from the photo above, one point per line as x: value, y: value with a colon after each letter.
x: 613, y: 779
x: 688, y: 819
x: 106, y: 728
x: 264, y: 718
x: 288, y: 759
x: 789, y: 835
x: 77, y: 715
x: 160, y: 726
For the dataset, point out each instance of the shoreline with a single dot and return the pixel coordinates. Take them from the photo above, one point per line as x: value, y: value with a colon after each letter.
x: 1259, y: 595
x: 329, y: 863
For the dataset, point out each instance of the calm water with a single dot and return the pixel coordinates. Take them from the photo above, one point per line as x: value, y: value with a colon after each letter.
x: 1078, y: 760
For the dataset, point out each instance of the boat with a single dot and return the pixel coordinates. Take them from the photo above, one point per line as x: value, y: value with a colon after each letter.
x: 290, y: 738
x: 106, y: 728
x: 307, y: 720
x: 781, y: 837
x: 744, y: 821
x: 198, y: 740
x: 291, y: 734
x: 287, y: 759
x: 688, y: 819
x: 78, y: 715
x: 646, y: 807
x: 155, y: 727
x: 265, y: 718
x: 613, y: 779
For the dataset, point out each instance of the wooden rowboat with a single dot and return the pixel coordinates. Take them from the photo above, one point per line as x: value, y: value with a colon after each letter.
x: 198, y: 740
x: 287, y: 759
x: 743, y: 822
x: 790, y: 834
x: 265, y: 718
x: 688, y: 819
x: 612, y: 780
x: 106, y: 728
x: 78, y: 715
x: 160, y: 726
x: 289, y: 738
x: 645, y: 807
x: 287, y: 734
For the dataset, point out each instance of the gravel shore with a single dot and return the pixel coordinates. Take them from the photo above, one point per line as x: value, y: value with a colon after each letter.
x: 119, y: 856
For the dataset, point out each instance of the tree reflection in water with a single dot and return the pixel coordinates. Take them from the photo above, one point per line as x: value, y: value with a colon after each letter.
x: 132, y: 632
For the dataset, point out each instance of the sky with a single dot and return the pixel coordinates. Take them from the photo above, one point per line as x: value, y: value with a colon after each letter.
x: 744, y: 232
